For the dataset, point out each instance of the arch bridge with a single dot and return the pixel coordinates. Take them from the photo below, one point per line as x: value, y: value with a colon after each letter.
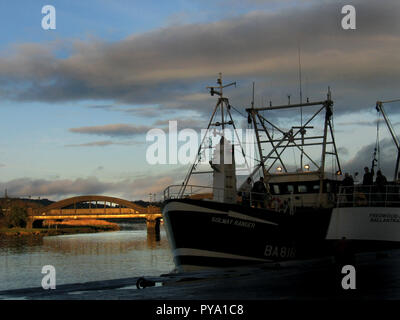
x: 94, y: 207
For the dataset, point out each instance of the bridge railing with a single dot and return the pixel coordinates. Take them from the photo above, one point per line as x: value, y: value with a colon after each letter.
x: 369, y: 196
x: 93, y: 211
x: 45, y: 211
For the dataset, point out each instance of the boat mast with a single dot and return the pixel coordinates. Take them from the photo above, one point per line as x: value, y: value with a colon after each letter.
x: 256, y: 130
x: 328, y: 114
x: 222, y: 103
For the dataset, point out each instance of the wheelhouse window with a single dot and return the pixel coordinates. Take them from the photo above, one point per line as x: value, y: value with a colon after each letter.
x: 328, y: 187
x: 302, y: 188
x: 276, y: 189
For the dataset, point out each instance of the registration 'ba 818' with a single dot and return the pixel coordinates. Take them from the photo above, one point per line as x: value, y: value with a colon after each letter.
x: 279, y: 252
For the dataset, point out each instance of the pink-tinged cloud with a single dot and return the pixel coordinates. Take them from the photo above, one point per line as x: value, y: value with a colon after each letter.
x: 130, y: 189
x: 113, y: 130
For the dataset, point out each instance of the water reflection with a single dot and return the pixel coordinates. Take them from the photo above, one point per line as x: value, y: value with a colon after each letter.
x: 19, y: 244
x: 153, y: 240
x: 84, y: 257
x: 103, y: 243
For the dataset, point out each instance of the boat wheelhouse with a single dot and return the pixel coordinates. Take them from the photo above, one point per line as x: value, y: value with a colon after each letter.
x: 303, y: 189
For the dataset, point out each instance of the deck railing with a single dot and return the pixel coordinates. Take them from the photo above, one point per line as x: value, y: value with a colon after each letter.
x: 369, y: 196
x: 173, y: 191
x: 247, y: 198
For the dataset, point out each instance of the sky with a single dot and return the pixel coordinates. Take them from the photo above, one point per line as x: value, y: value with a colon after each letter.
x: 77, y: 101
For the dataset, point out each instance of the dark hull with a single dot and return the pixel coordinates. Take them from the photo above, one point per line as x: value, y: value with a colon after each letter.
x: 212, y: 234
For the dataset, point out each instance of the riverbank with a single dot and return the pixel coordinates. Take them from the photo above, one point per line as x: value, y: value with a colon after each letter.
x: 61, y: 228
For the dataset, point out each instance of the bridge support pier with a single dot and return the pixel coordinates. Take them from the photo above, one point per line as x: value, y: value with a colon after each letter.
x: 29, y: 223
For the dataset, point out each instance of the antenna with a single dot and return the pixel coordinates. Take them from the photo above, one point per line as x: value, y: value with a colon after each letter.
x: 252, y: 101
x: 301, y: 108
x: 301, y: 90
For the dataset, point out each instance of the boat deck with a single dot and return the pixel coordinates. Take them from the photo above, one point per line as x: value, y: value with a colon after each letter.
x: 369, y: 196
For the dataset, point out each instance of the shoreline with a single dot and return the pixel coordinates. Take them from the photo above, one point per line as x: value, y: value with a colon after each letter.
x: 61, y: 228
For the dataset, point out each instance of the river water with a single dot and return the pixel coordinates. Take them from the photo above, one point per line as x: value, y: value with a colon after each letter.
x: 79, y: 258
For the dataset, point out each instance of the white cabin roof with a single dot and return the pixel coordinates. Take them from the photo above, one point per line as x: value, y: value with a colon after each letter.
x: 299, y: 176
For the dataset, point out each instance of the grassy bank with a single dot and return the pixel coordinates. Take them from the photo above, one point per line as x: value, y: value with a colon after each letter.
x: 60, y: 228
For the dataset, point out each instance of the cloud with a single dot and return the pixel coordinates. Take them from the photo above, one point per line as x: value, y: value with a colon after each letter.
x: 44, y: 188
x: 159, y: 66
x: 195, y: 124
x: 126, y: 130
x: 112, y: 130
x: 103, y: 107
x: 148, y: 111
x: 91, y: 144
x: 130, y: 189
x: 343, y: 151
x: 104, y: 144
x: 364, y: 156
x: 362, y: 123
x: 366, y: 123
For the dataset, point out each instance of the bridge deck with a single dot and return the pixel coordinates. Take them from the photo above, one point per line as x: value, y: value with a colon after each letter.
x: 80, y: 215
x: 90, y: 211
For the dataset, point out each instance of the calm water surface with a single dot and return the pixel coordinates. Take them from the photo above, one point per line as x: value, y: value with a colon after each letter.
x: 84, y: 257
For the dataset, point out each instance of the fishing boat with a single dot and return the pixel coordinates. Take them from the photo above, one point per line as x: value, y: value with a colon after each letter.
x: 367, y: 217
x: 208, y: 226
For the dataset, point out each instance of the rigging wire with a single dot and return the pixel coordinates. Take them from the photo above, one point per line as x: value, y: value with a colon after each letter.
x: 238, y: 111
x: 333, y: 162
